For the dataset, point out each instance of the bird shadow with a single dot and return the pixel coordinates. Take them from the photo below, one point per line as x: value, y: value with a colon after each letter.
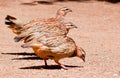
x: 28, y: 58
x: 50, y: 67
x: 32, y: 56
x: 25, y: 56
x: 20, y: 53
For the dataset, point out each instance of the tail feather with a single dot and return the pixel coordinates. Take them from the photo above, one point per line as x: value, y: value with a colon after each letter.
x: 14, y: 24
x: 8, y: 17
x: 17, y: 39
x: 9, y: 23
x: 10, y: 20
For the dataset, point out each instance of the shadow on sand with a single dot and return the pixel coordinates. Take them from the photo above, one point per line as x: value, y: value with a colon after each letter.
x: 49, y: 67
x: 25, y: 56
x: 32, y: 56
x: 52, y: 2
x: 20, y: 53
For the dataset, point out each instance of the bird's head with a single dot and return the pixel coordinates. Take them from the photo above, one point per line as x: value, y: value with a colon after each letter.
x: 63, y: 11
x: 70, y: 25
x: 67, y: 26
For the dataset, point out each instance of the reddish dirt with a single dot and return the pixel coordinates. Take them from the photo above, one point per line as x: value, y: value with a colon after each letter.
x: 98, y: 33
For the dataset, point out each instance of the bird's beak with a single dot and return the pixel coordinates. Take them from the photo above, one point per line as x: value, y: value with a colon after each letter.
x: 83, y: 57
x: 75, y: 26
x: 70, y: 10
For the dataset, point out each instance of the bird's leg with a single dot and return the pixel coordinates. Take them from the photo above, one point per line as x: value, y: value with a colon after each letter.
x: 61, y: 65
x: 45, y: 60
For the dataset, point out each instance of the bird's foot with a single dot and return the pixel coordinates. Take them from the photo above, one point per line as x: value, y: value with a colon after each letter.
x: 63, y: 67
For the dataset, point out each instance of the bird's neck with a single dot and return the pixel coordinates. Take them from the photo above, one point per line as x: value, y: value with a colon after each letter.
x: 60, y: 17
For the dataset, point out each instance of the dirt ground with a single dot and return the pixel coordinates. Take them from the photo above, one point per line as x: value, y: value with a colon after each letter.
x: 98, y: 33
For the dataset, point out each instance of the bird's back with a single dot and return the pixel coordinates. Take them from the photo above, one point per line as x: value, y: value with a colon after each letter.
x: 50, y: 28
x: 57, y: 47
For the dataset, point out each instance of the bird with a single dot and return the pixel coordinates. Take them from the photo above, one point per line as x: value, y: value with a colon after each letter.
x: 49, y: 44
x: 17, y: 25
x: 51, y: 41
x: 61, y: 13
x: 50, y: 29
x: 56, y: 48
x: 48, y: 37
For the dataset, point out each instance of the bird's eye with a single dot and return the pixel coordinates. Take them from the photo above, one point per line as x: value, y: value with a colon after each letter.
x: 66, y: 9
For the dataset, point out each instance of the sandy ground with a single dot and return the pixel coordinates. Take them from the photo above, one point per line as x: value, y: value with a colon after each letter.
x: 98, y: 33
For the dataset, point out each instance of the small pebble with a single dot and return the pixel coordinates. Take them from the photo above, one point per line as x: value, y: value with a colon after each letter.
x: 115, y: 74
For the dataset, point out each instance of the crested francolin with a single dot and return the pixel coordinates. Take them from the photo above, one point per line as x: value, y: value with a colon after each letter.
x: 56, y: 48
x: 17, y: 25
x: 44, y: 29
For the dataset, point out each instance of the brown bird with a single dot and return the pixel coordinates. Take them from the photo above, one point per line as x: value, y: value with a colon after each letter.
x: 52, y: 43
x: 38, y: 31
x: 17, y: 25
x: 56, y: 48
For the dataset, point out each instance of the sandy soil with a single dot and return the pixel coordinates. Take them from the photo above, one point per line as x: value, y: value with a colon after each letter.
x: 98, y: 33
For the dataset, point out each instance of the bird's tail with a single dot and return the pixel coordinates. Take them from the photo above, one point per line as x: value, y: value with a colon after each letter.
x: 26, y: 38
x: 17, y: 39
x: 10, y: 20
x: 14, y: 24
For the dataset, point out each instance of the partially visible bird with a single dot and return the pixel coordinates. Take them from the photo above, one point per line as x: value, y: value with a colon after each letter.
x: 45, y: 29
x: 17, y: 25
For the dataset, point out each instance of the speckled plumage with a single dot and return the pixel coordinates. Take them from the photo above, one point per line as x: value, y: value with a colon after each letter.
x: 48, y: 37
